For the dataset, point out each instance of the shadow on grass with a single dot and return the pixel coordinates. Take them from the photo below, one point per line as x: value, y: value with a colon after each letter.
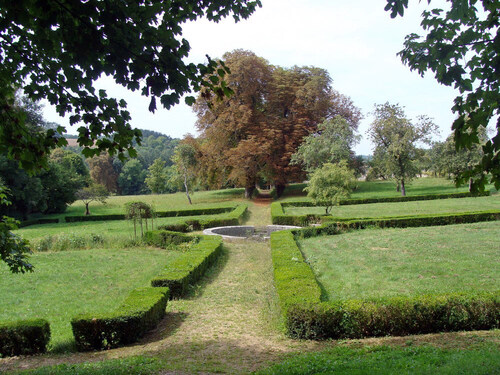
x: 167, y: 327
x: 196, y: 291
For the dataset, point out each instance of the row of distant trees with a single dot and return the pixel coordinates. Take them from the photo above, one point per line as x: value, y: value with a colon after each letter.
x: 279, y: 126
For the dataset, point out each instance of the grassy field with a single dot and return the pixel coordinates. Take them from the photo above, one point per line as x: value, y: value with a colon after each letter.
x: 386, y: 360
x: 71, y: 282
x: 163, y: 202
x: 230, y: 322
x: 382, y: 189
x: 438, y: 206
x: 378, y: 263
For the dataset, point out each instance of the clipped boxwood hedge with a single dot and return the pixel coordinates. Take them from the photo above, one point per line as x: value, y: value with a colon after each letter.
x: 140, y: 312
x: 27, y: 223
x: 396, y: 316
x: 165, y: 238
x: 234, y: 217
x: 189, y: 268
x: 24, y: 337
x: 173, y: 213
x: 307, y: 317
x: 416, y: 220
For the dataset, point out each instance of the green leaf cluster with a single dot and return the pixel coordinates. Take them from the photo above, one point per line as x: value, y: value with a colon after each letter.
x: 461, y: 47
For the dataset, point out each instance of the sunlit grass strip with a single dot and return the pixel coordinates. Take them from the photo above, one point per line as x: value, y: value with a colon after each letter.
x: 308, y: 318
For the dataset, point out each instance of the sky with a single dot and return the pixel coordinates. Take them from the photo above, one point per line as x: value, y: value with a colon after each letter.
x: 355, y: 41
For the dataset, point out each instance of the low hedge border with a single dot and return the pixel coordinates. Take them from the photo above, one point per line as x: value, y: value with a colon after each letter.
x: 27, y: 223
x: 188, y: 269
x: 24, y: 337
x: 306, y: 317
x: 234, y: 217
x: 141, y: 311
x: 166, y: 238
x: 173, y: 213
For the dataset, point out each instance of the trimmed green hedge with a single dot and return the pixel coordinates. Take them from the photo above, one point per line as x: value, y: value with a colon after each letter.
x: 295, y: 281
x: 397, y: 316
x: 278, y: 216
x: 189, y: 268
x: 165, y: 238
x: 140, y: 312
x: 307, y: 317
x: 73, y: 219
x: 416, y: 220
x: 235, y: 217
x: 173, y: 213
x: 27, y: 223
x: 24, y: 337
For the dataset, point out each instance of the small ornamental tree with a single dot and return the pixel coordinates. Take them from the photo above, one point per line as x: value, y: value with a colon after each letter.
x: 92, y: 193
x: 185, y: 163
x: 330, y: 184
x: 136, y: 211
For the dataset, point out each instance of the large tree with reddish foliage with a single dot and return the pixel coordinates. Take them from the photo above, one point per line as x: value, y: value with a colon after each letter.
x: 253, y: 134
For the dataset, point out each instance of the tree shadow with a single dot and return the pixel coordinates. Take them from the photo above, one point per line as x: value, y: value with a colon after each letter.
x: 196, y: 291
x: 167, y: 327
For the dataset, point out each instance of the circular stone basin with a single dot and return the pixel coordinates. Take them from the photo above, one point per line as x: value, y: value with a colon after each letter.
x: 246, y: 231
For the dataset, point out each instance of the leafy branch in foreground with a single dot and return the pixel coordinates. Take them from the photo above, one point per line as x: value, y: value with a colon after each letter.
x: 56, y: 50
x: 461, y: 48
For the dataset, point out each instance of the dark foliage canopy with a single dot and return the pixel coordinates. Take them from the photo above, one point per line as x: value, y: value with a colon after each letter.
x: 56, y: 50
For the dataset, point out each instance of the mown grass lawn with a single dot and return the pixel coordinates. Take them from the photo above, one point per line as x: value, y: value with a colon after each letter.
x: 389, y: 262
x: 388, y: 360
x: 437, y: 206
x: 70, y: 282
x: 161, y: 202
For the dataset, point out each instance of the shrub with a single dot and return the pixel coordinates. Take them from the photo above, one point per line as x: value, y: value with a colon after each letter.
x: 140, y: 312
x: 24, y: 337
x: 235, y: 217
x: 397, y: 316
x: 27, y: 223
x: 165, y: 238
x: 189, y: 268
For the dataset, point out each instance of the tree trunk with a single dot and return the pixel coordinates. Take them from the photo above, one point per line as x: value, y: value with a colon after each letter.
x: 87, y: 211
x: 470, y: 185
x: 249, y: 191
x: 403, y: 189
x: 279, y: 190
x: 135, y: 231
x: 187, y: 189
x: 398, y: 187
x: 142, y: 232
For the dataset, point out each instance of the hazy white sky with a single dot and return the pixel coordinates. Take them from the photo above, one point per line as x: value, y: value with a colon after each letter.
x: 355, y: 41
